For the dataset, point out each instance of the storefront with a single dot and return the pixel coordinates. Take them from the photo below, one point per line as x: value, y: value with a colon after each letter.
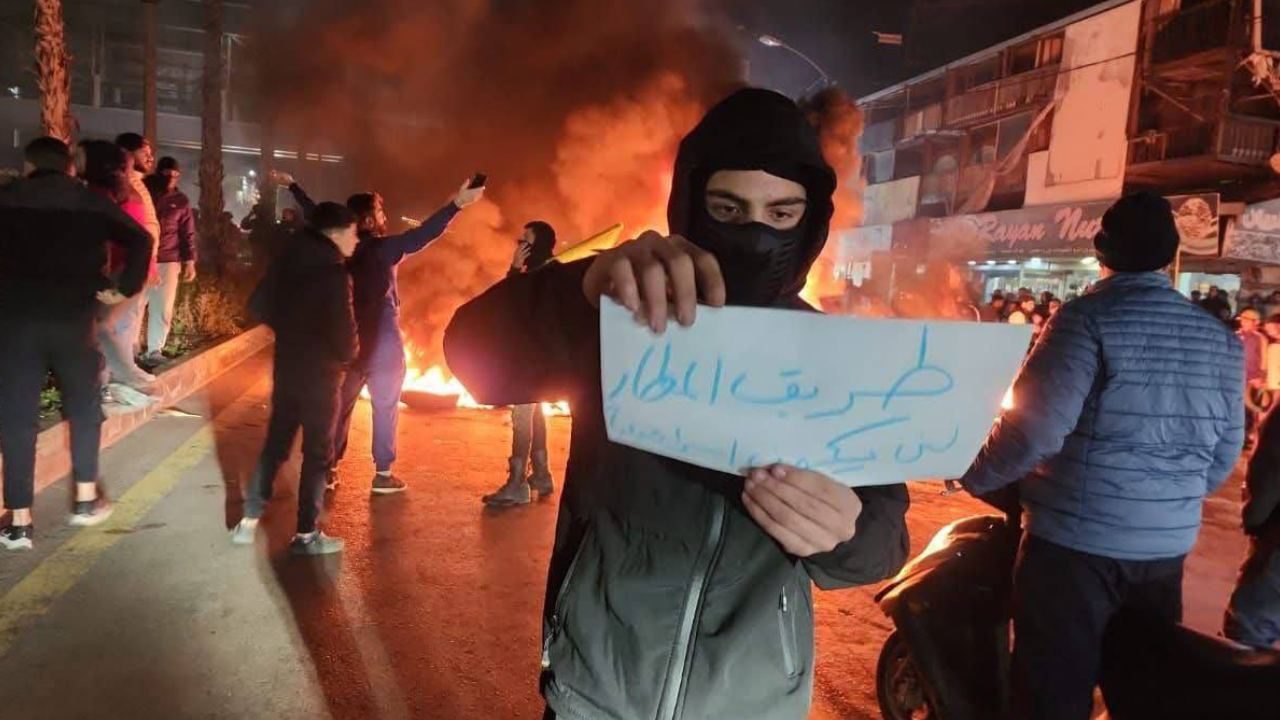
x: 1043, y: 248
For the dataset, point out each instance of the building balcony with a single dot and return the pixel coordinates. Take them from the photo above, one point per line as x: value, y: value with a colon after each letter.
x: 1198, y: 29
x: 1236, y: 146
x: 922, y: 122
x: 1002, y: 97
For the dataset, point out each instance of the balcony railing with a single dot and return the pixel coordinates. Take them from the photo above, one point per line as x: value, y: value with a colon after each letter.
x: 1002, y: 96
x: 1195, y: 29
x: 1239, y: 140
x: 1247, y: 141
x: 927, y: 119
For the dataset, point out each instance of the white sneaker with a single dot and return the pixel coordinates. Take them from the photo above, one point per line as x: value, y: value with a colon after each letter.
x: 130, y: 396
x: 244, y: 532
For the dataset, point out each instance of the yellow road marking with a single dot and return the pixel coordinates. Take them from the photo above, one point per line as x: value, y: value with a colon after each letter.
x: 35, y: 594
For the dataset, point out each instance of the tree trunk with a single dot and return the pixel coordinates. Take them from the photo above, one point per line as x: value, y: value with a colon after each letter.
x: 53, y: 71
x: 149, y: 41
x: 211, y: 202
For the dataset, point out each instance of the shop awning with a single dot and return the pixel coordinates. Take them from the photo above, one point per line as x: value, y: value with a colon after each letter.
x: 1045, y: 231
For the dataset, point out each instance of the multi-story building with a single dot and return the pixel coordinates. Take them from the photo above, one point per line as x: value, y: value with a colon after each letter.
x: 105, y: 39
x: 1005, y: 160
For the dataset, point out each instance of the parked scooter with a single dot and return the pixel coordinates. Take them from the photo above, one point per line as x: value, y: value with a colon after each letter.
x: 950, y: 655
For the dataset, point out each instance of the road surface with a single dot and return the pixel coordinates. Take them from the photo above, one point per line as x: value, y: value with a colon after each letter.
x: 432, y: 611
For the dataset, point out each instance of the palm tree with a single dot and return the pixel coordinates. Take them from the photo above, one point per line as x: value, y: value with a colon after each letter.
x: 53, y: 70
x: 211, y: 201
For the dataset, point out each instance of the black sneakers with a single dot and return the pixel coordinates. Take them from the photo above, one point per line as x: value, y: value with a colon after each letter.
x: 17, y: 537
x: 388, y: 485
x: 91, y: 512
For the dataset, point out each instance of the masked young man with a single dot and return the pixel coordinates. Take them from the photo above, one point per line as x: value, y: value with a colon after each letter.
x: 676, y: 591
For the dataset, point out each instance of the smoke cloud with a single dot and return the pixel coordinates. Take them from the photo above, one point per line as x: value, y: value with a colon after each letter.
x: 574, y: 109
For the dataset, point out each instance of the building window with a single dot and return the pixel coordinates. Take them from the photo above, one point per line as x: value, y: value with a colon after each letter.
x: 908, y: 163
x: 1035, y: 54
x: 982, y: 145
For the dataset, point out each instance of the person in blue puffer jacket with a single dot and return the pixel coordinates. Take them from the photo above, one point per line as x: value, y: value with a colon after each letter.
x: 1129, y: 412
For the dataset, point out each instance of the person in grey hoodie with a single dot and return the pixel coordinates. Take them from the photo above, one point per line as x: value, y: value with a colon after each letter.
x: 1129, y: 412
x: 677, y: 592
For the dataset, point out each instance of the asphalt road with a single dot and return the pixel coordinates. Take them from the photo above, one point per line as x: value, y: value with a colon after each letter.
x: 432, y: 611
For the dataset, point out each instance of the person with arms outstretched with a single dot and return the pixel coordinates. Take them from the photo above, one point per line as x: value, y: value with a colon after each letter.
x: 381, y: 364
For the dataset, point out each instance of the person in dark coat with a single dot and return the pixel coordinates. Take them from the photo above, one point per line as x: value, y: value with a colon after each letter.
x: 306, y: 299
x: 54, y: 240
x: 528, y: 426
x: 175, y: 254
x: 1129, y: 412
x: 381, y: 365
x: 676, y: 591
x: 1253, y: 613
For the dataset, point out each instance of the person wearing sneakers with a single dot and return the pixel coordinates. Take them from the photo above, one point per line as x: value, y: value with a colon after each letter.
x: 381, y: 365
x: 306, y: 299
x: 54, y: 235
x: 528, y: 426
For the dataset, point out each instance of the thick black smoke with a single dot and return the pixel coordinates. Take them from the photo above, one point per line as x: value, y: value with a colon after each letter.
x: 572, y: 107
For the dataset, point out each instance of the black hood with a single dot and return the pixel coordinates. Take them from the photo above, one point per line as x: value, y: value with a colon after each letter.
x: 313, y: 248
x: 755, y: 129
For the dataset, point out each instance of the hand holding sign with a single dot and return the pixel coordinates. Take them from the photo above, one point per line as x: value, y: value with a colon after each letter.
x: 864, y: 402
x: 806, y: 512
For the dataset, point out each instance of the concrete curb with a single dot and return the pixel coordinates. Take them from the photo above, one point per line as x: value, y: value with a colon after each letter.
x: 53, y: 452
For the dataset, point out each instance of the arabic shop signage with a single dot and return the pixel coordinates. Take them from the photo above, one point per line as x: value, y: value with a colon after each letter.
x: 1256, y: 234
x: 1048, y: 230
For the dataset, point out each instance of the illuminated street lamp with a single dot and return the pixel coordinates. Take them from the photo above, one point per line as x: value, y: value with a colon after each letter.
x: 773, y: 42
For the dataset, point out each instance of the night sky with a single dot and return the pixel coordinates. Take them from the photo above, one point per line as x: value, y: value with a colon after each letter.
x: 837, y: 34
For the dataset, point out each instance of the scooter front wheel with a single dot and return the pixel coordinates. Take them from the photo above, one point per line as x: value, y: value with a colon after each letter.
x: 898, y: 686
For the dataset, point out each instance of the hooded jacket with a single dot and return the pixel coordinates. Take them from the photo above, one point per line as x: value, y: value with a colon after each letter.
x: 306, y: 299
x: 665, y: 600
x: 374, y: 269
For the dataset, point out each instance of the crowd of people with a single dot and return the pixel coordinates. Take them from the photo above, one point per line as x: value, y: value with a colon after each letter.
x: 673, y: 590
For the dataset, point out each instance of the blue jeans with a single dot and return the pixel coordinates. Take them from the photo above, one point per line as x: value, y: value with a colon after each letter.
x: 1253, y: 614
x: 383, y: 370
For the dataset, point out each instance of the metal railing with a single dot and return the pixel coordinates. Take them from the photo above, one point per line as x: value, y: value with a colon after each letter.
x: 1239, y: 140
x: 1247, y: 141
x: 926, y: 119
x: 1002, y: 96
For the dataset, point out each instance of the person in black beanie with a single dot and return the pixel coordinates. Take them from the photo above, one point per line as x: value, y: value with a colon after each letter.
x: 1129, y: 413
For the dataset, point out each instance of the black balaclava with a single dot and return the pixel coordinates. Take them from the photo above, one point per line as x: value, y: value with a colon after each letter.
x: 754, y: 129
x: 544, y: 242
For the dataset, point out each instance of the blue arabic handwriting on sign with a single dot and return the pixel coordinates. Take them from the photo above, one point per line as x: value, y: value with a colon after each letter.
x: 862, y: 401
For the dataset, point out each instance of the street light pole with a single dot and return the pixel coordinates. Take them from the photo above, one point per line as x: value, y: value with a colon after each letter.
x: 773, y: 42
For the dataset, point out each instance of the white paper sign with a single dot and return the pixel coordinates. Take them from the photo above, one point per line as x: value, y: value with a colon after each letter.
x: 866, y: 402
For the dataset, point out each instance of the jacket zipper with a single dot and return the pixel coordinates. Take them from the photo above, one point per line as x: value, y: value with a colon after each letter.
x: 554, y: 623
x: 787, y: 631
x: 677, y: 671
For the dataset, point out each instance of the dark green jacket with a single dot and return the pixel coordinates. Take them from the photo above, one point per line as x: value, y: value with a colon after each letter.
x: 664, y: 598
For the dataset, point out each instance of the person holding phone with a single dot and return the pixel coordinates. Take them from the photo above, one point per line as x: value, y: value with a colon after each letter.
x: 528, y: 425
x: 381, y: 364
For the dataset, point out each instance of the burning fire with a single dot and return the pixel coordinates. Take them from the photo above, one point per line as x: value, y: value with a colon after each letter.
x: 436, y: 382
